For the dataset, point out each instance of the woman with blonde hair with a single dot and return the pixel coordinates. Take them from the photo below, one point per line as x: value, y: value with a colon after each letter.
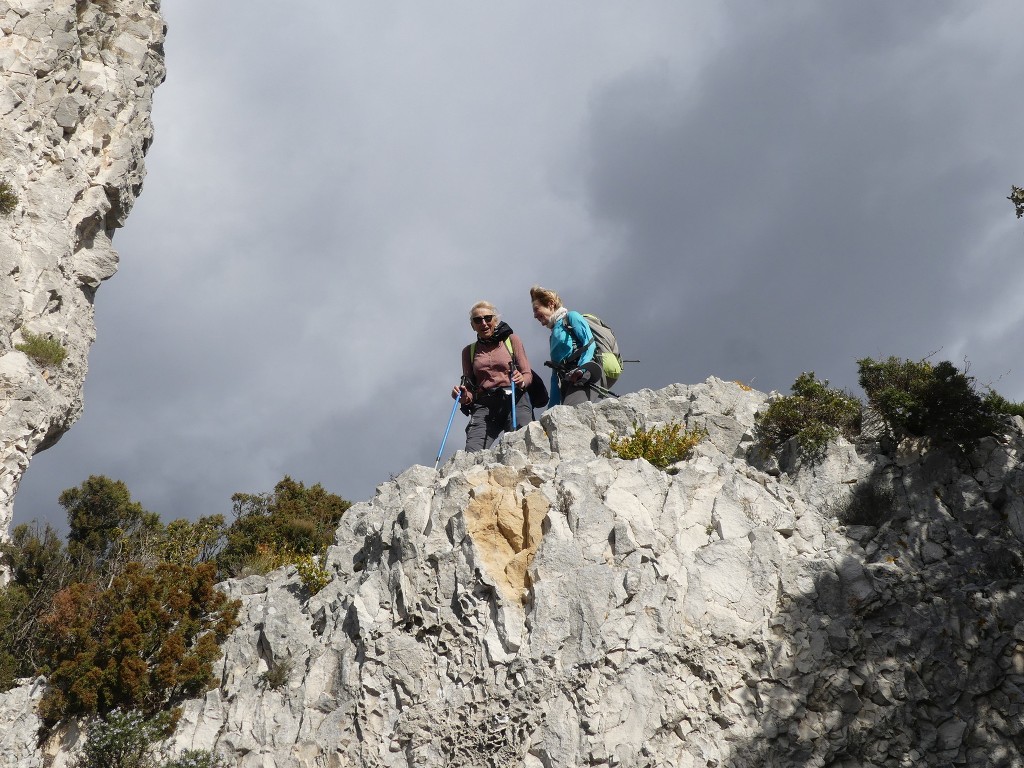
x: 574, y: 370
x: 494, y: 370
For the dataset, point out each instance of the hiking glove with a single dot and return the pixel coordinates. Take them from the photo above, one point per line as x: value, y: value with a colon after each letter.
x: 578, y: 376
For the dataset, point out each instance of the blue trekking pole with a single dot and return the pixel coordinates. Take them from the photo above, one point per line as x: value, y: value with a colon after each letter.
x: 450, y: 420
x: 511, y: 370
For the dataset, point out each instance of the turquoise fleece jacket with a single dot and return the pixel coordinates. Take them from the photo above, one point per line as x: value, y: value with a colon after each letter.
x: 562, y: 345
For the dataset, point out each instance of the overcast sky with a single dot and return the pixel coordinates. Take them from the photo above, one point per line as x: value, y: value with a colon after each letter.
x: 741, y: 189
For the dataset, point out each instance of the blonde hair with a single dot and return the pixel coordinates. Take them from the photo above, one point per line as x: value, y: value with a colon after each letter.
x: 546, y: 297
x: 484, y: 305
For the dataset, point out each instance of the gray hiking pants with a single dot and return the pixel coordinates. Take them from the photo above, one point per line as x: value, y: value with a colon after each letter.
x: 573, y: 395
x: 493, y: 415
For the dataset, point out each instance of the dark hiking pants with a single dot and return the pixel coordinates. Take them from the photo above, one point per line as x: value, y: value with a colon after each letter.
x: 492, y: 415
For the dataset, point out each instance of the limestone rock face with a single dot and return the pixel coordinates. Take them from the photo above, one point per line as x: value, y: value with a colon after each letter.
x: 76, y: 91
x: 543, y: 604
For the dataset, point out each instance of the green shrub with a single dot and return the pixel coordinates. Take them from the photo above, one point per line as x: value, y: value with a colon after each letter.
x: 1017, y: 198
x: 923, y: 400
x: 277, y: 674
x: 122, y: 739
x: 1002, y: 406
x: 187, y: 543
x: 314, y: 575
x: 13, y: 610
x: 107, y: 528
x: 271, y: 529
x: 814, y: 414
x: 8, y: 199
x: 125, y: 739
x: 144, y: 643
x: 39, y: 567
x: 661, y: 446
x: 196, y: 758
x: 46, y: 351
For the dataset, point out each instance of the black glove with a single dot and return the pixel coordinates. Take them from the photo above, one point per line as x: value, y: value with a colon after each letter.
x: 578, y: 376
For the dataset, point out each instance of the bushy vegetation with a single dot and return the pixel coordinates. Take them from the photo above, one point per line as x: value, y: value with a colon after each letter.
x: 1017, y: 198
x: 313, y: 574
x: 40, y: 568
x: 913, y: 399
x: 107, y: 530
x: 48, y: 352
x: 814, y: 414
x: 1000, y: 405
x: 661, y: 446
x: 196, y: 758
x: 277, y: 674
x: 145, y: 643
x: 917, y: 398
x: 119, y: 740
x: 187, y: 543
x: 8, y: 198
x: 274, y: 529
x: 124, y: 739
x: 125, y: 616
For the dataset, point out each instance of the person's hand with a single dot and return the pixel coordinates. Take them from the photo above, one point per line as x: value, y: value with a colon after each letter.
x: 578, y: 376
x: 463, y: 394
x: 517, y: 377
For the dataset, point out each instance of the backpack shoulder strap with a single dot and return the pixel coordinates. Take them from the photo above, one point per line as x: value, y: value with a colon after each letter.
x: 472, y: 353
x: 508, y: 346
x: 576, y: 341
x: 511, y: 351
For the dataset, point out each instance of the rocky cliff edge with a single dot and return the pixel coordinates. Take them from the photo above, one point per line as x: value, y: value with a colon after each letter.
x: 543, y: 604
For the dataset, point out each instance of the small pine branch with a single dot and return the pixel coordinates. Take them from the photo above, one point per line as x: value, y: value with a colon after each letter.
x: 44, y: 350
x: 8, y: 198
x: 1017, y: 198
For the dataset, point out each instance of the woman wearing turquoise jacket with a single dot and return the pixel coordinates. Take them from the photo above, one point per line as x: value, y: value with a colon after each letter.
x: 574, y: 369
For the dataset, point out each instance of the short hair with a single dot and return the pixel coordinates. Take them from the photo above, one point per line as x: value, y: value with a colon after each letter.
x: 484, y: 305
x: 545, y: 296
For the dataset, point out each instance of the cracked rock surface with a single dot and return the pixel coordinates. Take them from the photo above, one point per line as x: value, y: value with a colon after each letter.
x: 543, y: 604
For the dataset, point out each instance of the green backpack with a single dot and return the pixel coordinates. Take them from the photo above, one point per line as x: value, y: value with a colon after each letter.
x: 537, y: 391
x: 607, y: 348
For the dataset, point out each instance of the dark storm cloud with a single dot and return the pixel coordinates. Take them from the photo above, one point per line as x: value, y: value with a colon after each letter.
x: 741, y: 190
x: 809, y: 198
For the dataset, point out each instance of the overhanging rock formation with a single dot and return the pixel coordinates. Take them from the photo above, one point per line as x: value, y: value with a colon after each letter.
x: 542, y: 604
x: 76, y: 91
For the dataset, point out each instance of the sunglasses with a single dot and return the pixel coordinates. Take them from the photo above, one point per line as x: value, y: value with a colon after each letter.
x: 481, y: 319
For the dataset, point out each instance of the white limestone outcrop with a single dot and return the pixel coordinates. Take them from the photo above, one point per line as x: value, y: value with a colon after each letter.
x: 543, y: 604
x: 76, y: 91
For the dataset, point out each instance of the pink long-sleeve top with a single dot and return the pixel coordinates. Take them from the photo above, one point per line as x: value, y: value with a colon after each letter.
x: 490, y: 367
